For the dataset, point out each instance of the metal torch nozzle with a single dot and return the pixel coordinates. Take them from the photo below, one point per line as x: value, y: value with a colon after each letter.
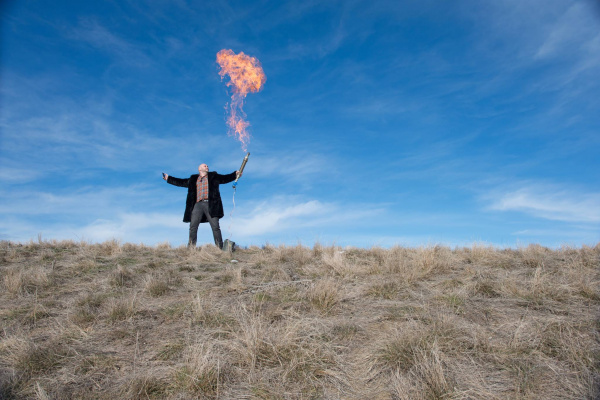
x: 241, y: 169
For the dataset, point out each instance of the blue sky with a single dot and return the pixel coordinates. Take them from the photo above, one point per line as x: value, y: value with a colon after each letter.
x: 381, y: 122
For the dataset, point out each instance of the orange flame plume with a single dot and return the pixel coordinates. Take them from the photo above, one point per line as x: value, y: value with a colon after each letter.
x: 246, y: 76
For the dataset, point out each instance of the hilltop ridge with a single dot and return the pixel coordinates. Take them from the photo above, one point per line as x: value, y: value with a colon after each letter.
x: 111, y: 320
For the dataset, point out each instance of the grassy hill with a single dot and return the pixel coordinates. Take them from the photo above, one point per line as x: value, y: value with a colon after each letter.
x: 112, y: 321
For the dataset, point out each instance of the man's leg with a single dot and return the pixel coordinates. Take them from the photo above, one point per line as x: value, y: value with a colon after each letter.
x: 195, y: 221
x: 214, y: 224
x: 216, y: 229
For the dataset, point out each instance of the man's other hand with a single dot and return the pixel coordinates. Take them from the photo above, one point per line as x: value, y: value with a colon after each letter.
x: 165, y: 176
x: 238, y: 174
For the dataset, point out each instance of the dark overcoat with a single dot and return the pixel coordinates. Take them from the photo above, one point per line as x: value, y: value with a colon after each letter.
x: 215, y: 205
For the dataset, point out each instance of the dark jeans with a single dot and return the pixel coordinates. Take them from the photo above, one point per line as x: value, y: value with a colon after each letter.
x: 200, y: 209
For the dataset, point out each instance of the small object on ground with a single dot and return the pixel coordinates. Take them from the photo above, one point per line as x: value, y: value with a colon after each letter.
x: 228, y: 245
x: 234, y: 261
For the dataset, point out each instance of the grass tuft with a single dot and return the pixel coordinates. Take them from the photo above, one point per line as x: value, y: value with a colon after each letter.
x: 203, y: 373
x: 121, y: 277
x: 33, y: 358
x: 121, y: 309
x: 143, y: 387
x: 156, y: 286
x: 325, y: 295
x: 387, y: 290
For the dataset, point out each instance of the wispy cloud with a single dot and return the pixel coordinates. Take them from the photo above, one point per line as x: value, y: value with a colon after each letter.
x: 97, y: 35
x: 86, y: 136
x: 92, y: 201
x: 567, y: 32
x: 289, y: 214
x: 111, y: 214
x: 560, y: 31
x: 18, y: 175
x: 417, y: 241
x: 296, y: 166
x: 134, y: 227
x: 269, y: 218
x: 581, y: 232
x: 551, y: 202
x: 94, y: 213
x: 149, y: 228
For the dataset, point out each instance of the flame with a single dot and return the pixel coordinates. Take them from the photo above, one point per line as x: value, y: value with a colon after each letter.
x: 245, y: 76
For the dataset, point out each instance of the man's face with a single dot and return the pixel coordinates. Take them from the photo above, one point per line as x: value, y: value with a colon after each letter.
x: 203, y: 169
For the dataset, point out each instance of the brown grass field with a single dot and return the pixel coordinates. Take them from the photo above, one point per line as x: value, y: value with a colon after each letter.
x: 112, y: 321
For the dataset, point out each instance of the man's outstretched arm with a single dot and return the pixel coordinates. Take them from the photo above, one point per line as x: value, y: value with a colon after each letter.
x: 175, y: 181
x: 228, y: 178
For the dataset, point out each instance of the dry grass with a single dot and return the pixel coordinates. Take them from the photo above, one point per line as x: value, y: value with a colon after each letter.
x: 112, y: 320
x: 324, y: 295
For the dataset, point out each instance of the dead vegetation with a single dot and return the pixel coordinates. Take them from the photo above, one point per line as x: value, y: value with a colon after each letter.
x: 106, y: 321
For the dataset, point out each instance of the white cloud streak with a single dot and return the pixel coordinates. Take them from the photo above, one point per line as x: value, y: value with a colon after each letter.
x: 551, y: 203
x: 567, y: 32
x: 92, y: 32
x: 148, y: 228
x: 275, y: 220
x: 268, y: 219
x: 18, y: 175
x: 84, y: 136
x: 299, y: 166
x: 284, y: 214
x: 135, y: 213
x: 84, y: 201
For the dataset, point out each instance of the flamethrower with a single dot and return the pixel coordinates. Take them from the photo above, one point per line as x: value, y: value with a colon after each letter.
x: 229, y: 245
x: 241, y: 169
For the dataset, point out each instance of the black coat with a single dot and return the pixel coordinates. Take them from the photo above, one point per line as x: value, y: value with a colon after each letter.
x: 215, y: 205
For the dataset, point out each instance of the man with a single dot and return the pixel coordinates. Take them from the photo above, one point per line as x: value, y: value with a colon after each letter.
x: 203, y: 202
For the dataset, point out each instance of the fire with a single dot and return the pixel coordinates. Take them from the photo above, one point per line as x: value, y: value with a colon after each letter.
x: 245, y: 76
